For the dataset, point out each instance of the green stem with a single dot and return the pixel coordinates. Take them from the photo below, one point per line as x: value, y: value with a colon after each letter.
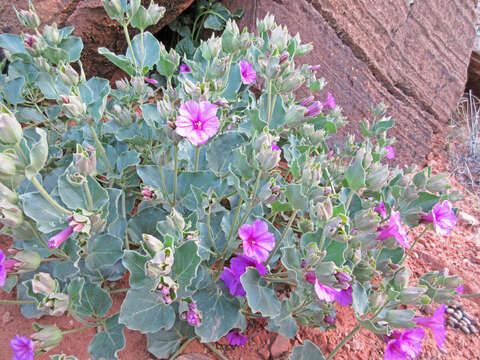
x: 129, y: 42
x: 100, y: 147
x: 469, y: 295
x: 269, y: 101
x: 124, y: 214
x: 164, y: 186
x: 413, y: 245
x: 20, y: 151
x: 51, y: 259
x: 343, y: 342
x: 277, y: 245
x: 197, y: 157
x: 349, y: 200
x: 89, y: 196
x: 181, y: 348
x: 175, y: 175
x: 17, y: 302
x: 47, y: 196
x: 234, y: 224
x: 76, y: 330
x: 119, y: 290
x: 218, y: 353
x: 209, y: 228
x: 246, y: 313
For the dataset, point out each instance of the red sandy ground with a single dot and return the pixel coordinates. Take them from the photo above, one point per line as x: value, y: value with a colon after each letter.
x: 459, y: 252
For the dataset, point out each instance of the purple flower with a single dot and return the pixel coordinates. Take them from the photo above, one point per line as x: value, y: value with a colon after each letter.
x: 257, y: 240
x: 248, y: 74
x: 22, y: 348
x: 5, y: 266
x: 310, y: 277
x: 442, y: 217
x: 193, y: 318
x: 329, y: 319
x: 436, y: 322
x: 460, y: 289
x: 314, y: 67
x: 390, y: 153
x: 147, y: 193
x: 330, y: 101
x: 324, y: 292
x: 395, y: 229
x: 236, y: 338
x: 57, y: 240
x: 184, y: 68
x: 406, y: 345
x: 344, y: 296
x: 314, y: 110
x: 343, y: 277
x: 238, y: 266
x: 307, y: 101
x: 150, y: 81
x: 197, y: 122
x: 381, y: 210
x: 275, y: 147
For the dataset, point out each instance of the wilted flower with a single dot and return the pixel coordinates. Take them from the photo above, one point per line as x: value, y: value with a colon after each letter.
x: 184, y: 68
x: 236, y: 338
x: 275, y: 147
x: 390, y: 153
x: 57, y: 240
x: 43, y: 283
x: 314, y: 109
x: 248, y: 74
x: 394, y: 229
x: 436, y: 322
x: 257, y: 240
x: 344, y: 296
x: 22, y: 348
x: 5, y: 266
x: 147, y: 193
x: 47, y: 337
x: 238, y: 266
x: 381, y: 210
x: 197, y: 122
x: 307, y: 101
x: 406, y: 345
x: 150, y: 81
x: 330, y: 101
x: 442, y: 217
x: 329, y: 319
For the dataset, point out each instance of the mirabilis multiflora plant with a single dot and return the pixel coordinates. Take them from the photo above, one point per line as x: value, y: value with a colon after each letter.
x: 206, y: 196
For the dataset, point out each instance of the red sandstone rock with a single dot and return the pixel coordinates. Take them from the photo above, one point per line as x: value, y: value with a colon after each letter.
x: 91, y: 23
x: 280, y: 346
x: 412, y: 57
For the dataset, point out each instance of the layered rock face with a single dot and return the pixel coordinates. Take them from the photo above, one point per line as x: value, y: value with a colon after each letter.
x: 91, y: 23
x: 412, y: 55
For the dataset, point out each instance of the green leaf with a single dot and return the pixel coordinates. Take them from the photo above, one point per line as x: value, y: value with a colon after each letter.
x: 44, y: 83
x: 360, y: 299
x: 425, y: 200
x: 127, y: 159
x: 73, y: 46
x: 145, y: 222
x: 162, y: 344
x: 94, y: 301
x: 295, y: 196
x: 214, y: 22
x: 13, y: 91
x: 335, y: 252
x: 14, y: 45
x: 121, y: 61
x: 143, y: 311
x: 382, y: 126
x: 279, y: 206
x: 393, y: 254
x: 106, y: 344
x: 74, y: 289
x: 47, y: 217
x: 307, y: 351
x: 38, y: 154
x: 260, y: 297
x: 135, y: 263
x: 355, y: 175
x: 284, y: 323
x: 185, y: 265
x: 27, y: 114
x: 223, y: 144
x: 150, y: 54
x: 104, y: 250
x: 10, y: 283
x: 233, y: 85
x: 220, y: 314
x: 56, y: 55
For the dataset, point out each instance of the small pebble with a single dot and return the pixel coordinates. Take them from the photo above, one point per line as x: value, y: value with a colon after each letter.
x: 449, y: 310
x: 466, y: 321
x: 452, y: 322
x: 465, y: 329
x: 458, y: 315
x: 473, y: 329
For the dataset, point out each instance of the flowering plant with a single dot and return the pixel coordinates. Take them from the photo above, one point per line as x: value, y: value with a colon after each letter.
x: 206, y: 195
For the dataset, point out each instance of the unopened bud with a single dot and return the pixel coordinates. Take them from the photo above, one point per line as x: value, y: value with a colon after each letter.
x: 69, y: 76
x: 324, y: 210
x: 86, y: 160
x: 279, y: 38
x: 364, y: 272
x: 343, y: 277
x: 452, y: 281
x: 365, y: 220
x: 292, y: 83
x: 10, y: 130
x: 412, y: 295
x: 47, y: 337
x: 42, y: 64
x: 401, y: 278
x: 177, y: 219
x: 283, y: 58
x: 445, y: 296
x: 51, y: 34
x: 56, y: 304
x: 329, y: 319
x: 400, y: 318
x: 167, y: 289
x: 27, y: 261
x: 438, y: 183
x: 7, y: 165
x: 74, y: 106
x: 43, y: 283
x: 153, y: 243
x: 8, y: 195
x: 10, y: 215
x: 266, y: 24
x: 160, y: 265
x: 28, y: 18
x: 377, y: 178
x: 211, y: 48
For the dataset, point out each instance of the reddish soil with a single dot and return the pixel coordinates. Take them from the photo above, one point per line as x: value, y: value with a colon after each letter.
x: 459, y: 252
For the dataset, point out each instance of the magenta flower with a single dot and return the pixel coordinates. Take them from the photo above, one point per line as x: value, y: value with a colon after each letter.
x: 329, y: 319
x: 197, y: 122
x: 184, y: 68
x: 436, y: 322
x: 314, y: 109
x: 57, y: 240
x: 150, y: 81
x: 390, y: 153
x: 442, y: 217
x: 330, y: 101
x: 460, y: 289
x: 310, y: 277
x: 5, y: 266
x: 395, y: 229
x: 147, y: 193
x: 236, y: 338
x: 238, y: 266
x: 257, y: 240
x: 344, y: 296
x: 406, y: 345
x: 248, y: 74
x: 324, y: 292
x: 307, y: 101
x: 381, y: 210
x: 314, y: 67
x: 22, y: 348
x: 275, y: 147
x: 193, y: 318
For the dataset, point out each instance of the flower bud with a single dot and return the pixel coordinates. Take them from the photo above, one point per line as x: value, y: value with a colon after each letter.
x: 69, y: 76
x: 266, y: 24
x: 43, y: 283
x: 438, y: 183
x: 377, y: 178
x: 367, y: 159
x: 211, y: 48
x: 364, y: 272
x: 47, y: 337
x: 56, y: 304
x: 73, y: 106
x: 113, y: 8
x: 452, y: 281
x: 7, y: 165
x: 27, y: 261
x: 324, y: 210
x: 231, y: 37
x: 268, y: 158
x: 144, y: 18
x: 160, y: 265
x: 343, y: 277
x: 445, y: 296
x: 167, y: 289
x: 412, y: 295
x: 51, y: 34
x: 176, y: 220
x: 315, y: 136
x: 292, y: 83
x: 279, y: 38
x: 10, y: 215
x: 295, y: 114
x: 153, y: 243
x: 8, y: 195
x: 329, y: 319
x: 10, y: 130
x: 365, y: 220
x: 28, y: 18
x: 42, y: 64
x: 86, y: 160
x: 400, y: 318
x: 401, y: 278
x: 304, y: 49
